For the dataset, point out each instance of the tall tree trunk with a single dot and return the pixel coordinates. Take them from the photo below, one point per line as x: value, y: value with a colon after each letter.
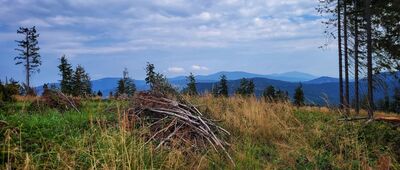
x: 369, y: 59
x: 340, y: 53
x: 356, y: 71
x: 346, y: 59
x: 27, y: 69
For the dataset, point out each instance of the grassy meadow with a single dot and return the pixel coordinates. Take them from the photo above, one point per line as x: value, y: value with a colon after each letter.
x: 264, y: 135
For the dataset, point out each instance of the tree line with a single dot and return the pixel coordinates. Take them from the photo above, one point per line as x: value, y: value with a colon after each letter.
x: 368, y: 34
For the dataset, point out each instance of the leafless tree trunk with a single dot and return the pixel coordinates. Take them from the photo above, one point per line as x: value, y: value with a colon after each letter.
x: 340, y: 52
x: 346, y: 59
x: 369, y: 59
x: 356, y: 62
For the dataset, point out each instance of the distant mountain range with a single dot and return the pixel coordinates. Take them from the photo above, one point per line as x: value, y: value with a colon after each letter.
x: 318, y: 90
x: 235, y: 75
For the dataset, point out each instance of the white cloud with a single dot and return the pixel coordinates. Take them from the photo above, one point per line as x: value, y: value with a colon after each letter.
x: 176, y: 70
x: 199, y: 68
x: 170, y: 23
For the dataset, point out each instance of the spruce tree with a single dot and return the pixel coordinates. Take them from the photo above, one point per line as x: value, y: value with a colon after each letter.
x: 99, y: 93
x: 81, y: 82
x: 29, y: 53
x: 120, y: 88
x: 66, y: 75
x: 150, y: 75
x: 250, y: 87
x: 158, y: 82
x: 299, y: 96
x: 269, y: 93
x: 191, y: 85
x: 223, y: 86
x: 126, y: 85
x: 243, y: 87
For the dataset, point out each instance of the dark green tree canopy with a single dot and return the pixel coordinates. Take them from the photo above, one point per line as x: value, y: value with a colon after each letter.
x: 66, y: 75
x: 99, y: 93
x: 126, y: 86
x: 81, y: 82
x: 299, y: 96
x: 222, y: 89
x: 191, y: 85
x: 246, y: 87
x: 158, y: 82
x: 269, y: 93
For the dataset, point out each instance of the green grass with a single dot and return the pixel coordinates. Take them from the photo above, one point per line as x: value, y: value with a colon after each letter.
x: 94, y: 139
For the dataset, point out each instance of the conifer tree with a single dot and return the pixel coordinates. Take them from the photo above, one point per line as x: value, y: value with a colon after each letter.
x: 81, y: 82
x: 29, y: 53
x: 126, y: 86
x: 242, y: 90
x: 269, y: 93
x: 150, y: 75
x: 191, y: 85
x: 99, y: 93
x: 251, y: 87
x: 158, y: 82
x: 223, y: 86
x: 66, y: 75
x: 299, y: 96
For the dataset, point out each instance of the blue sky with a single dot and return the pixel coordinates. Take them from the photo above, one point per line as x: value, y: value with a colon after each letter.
x: 178, y: 36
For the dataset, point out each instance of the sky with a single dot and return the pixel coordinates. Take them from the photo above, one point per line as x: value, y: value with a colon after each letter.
x: 177, y: 36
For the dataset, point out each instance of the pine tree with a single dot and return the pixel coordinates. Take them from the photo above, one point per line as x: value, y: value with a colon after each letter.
x: 191, y: 85
x: 126, y: 86
x: 120, y: 88
x: 242, y: 90
x: 29, y: 52
x: 269, y: 93
x: 158, y: 82
x: 87, y: 85
x: 81, y: 83
x: 299, y: 96
x: 223, y: 86
x: 150, y: 75
x: 66, y: 75
x: 99, y: 93
x: 251, y: 87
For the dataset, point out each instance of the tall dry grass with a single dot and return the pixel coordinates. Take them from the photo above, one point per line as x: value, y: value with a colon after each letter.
x: 264, y: 135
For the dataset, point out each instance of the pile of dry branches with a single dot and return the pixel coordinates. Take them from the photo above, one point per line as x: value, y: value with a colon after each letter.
x: 169, y: 120
x: 56, y: 100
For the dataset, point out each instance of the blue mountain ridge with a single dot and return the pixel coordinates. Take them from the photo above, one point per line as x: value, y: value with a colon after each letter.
x: 321, y: 90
